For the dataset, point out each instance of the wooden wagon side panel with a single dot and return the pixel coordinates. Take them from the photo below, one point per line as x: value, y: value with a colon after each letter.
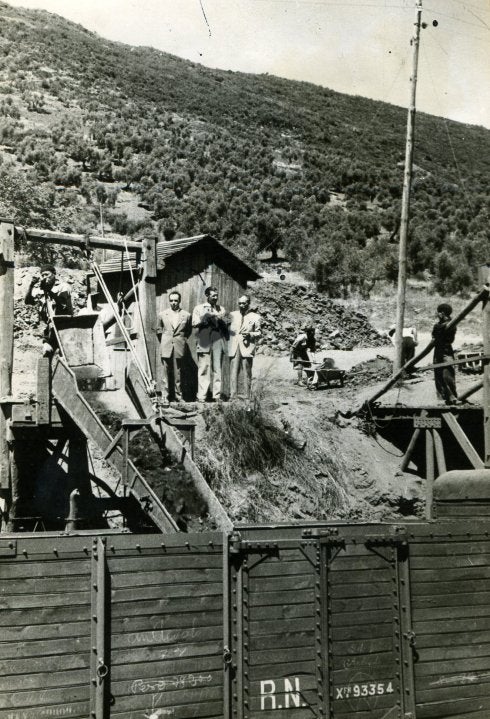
x: 277, y: 632
x: 45, y: 628
x: 450, y: 580
x: 166, y: 619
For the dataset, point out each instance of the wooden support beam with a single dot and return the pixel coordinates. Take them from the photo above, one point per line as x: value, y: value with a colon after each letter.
x: 6, y: 346
x: 486, y: 383
x: 43, y: 391
x: 463, y: 441
x: 65, y: 238
x: 429, y: 472
x: 439, y: 450
x: 147, y: 344
x: 470, y: 391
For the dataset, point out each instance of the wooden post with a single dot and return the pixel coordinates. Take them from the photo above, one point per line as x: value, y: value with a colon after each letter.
x: 429, y: 472
x: 407, y: 179
x: 6, y: 350
x: 486, y: 382
x: 148, y: 304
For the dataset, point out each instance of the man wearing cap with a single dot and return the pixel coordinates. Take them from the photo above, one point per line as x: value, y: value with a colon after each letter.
x: 52, y: 297
x: 244, y: 332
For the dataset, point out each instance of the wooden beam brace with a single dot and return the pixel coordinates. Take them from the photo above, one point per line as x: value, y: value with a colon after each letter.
x: 429, y: 472
x: 439, y: 450
x: 6, y: 343
x: 112, y: 446
x: 81, y: 241
x: 463, y: 441
x: 470, y: 391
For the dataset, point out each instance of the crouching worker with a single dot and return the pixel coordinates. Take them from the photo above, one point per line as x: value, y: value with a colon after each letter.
x: 298, y: 354
x: 52, y: 297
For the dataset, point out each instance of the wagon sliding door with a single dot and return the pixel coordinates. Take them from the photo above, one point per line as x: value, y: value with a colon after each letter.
x: 45, y: 627
x: 166, y: 621
x: 275, y: 629
x: 366, y: 628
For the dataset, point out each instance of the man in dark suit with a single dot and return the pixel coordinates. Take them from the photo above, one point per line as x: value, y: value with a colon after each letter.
x: 174, y: 324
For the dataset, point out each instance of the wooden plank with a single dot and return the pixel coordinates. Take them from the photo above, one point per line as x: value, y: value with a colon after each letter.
x: 451, y: 562
x: 278, y: 568
x: 274, y: 627
x: 370, y: 662
x: 177, y: 563
x: 261, y: 584
x: 165, y: 667
x: 378, y: 574
x: 442, y: 686
x: 41, y: 680
x: 281, y: 670
x: 41, y: 648
x: 286, y: 639
x: 71, y: 710
x: 191, y: 578
x: 364, y: 646
x: 471, y: 664
x: 463, y: 441
x: 36, y: 585
x: 436, y: 548
x: 288, y: 611
x: 34, y: 234
x: 371, y: 589
x: 7, y: 345
x: 452, y: 708
x: 457, y: 587
x: 135, y: 654
x: 60, y: 568
x: 44, y: 664
x: 44, y: 697
x: 368, y: 631
x: 179, y: 591
x: 471, y: 572
x: 452, y: 639
x: 189, y: 620
x: 172, y: 690
x: 456, y: 651
x: 163, y: 637
x: 360, y: 618
x: 430, y: 601
x: 43, y: 395
x: 43, y: 615
x: 448, y: 625
x: 44, y: 631
x: 36, y: 601
x: 260, y: 599
x: 464, y: 611
x: 287, y: 655
x: 351, y: 605
x: 167, y: 606
x: 202, y: 710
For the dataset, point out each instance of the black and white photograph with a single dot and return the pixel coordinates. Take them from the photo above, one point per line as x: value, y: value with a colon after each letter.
x: 244, y: 359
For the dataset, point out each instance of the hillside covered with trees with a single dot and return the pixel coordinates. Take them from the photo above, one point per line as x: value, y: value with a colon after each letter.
x: 93, y: 129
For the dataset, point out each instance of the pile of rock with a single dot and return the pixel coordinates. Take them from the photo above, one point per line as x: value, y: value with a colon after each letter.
x: 285, y: 308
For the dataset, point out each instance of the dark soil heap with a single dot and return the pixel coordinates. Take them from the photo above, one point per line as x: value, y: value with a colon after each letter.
x: 285, y: 308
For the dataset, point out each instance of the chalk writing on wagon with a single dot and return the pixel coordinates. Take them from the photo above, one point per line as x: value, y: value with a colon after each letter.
x: 281, y: 694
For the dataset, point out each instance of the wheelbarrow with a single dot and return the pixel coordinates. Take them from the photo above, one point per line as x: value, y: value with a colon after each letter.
x: 321, y: 374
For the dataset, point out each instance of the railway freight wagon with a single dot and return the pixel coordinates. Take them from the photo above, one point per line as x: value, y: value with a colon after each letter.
x: 366, y: 621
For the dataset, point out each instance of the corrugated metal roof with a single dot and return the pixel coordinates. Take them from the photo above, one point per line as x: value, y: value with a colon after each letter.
x: 119, y: 263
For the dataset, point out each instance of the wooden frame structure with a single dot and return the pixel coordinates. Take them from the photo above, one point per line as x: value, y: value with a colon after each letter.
x: 61, y: 410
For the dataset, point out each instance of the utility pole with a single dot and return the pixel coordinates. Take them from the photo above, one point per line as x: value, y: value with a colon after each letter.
x: 407, y: 179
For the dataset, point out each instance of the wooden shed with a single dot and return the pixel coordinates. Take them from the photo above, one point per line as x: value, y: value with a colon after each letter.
x: 187, y: 265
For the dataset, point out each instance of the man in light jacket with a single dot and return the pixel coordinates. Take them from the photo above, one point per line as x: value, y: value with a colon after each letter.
x: 174, y: 324
x: 209, y: 319
x: 244, y: 332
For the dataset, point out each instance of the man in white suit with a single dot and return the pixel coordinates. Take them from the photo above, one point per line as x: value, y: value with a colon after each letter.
x: 174, y: 324
x: 209, y: 321
x: 244, y: 332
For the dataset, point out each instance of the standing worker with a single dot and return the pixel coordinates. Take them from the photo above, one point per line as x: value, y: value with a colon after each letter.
x: 445, y: 377
x: 409, y: 342
x: 52, y: 298
x: 299, y: 350
x: 212, y: 337
x: 244, y: 332
x: 174, y: 324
